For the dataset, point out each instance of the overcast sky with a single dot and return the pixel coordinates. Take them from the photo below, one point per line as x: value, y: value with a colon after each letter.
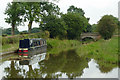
x: 94, y: 9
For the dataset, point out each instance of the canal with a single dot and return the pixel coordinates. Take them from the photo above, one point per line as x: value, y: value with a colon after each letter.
x: 66, y: 64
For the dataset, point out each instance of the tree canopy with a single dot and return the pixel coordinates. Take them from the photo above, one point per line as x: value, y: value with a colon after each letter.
x: 13, y: 11
x: 74, y: 9
x: 54, y: 25
x: 76, y: 24
x: 106, y: 26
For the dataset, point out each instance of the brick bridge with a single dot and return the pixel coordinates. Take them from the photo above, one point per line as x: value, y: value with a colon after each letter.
x: 94, y: 36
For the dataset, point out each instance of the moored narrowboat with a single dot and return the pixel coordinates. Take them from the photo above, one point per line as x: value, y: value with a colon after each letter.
x: 30, y: 47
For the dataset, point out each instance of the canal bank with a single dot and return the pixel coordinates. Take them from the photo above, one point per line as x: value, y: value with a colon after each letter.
x: 102, y: 49
x: 51, y: 44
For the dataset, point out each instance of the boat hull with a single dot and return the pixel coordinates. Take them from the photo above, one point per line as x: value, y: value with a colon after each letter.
x: 33, y: 51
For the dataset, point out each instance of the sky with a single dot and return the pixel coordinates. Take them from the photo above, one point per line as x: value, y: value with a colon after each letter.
x: 94, y: 9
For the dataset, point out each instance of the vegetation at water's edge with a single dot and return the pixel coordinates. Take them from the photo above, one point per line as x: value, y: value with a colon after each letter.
x: 103, y: 50
x: 55, y: 46
x: 106, y: 50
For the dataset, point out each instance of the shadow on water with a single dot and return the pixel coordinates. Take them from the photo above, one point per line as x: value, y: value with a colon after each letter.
x: 66, y: 64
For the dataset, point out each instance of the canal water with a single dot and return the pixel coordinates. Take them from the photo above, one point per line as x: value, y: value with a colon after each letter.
x: 66, y: 64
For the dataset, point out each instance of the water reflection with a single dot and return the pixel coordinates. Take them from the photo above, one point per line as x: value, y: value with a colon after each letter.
x: 33, y: 60
x: 66, y: 64
x: 13, y: 71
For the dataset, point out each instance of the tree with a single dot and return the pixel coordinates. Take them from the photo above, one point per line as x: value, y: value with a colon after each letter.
x: 76, y: 24
x: 35, y: 30
x: 74, y: 9
x: 106, y: 26
x: 48, y: 8
x: 14, y: 10
x: 32, y: 13
x: 88, y: 29
x: 54, y: 25
x: 94, y: 28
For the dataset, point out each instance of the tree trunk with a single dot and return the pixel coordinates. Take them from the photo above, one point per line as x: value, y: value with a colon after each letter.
x: 29, y: 27
x: 13, y: 29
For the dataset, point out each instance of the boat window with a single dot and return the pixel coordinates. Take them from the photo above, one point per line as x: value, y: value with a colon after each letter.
x: 44, y: 42
x: 24, y: 43
x: 39, y: 42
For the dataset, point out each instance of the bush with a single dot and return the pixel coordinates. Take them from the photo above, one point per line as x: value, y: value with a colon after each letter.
x: 4, y: 35
x: 106, y: 26
x: 21, y: 33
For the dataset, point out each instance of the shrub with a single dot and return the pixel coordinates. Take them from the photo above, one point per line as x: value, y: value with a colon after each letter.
x: 4, y: 35
x: 106, y: 26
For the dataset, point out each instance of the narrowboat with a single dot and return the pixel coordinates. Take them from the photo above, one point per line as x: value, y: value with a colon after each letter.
x: 30, y: 47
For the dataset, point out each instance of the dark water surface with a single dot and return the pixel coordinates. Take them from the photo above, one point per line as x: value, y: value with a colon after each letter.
x: 67, y: 64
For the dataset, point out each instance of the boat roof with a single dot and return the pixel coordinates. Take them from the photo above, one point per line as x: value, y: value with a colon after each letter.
x: 36, y: 39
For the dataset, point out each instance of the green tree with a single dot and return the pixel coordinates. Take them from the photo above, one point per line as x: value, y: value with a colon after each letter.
x: 94, y: 28
x: 32, y: 13
x: 13, y: 11
x: 76, y: 24
x: 54, y: 25
x: 106, y: 26
x: 48, y: 8
x: 35, y: 30
x: 88, y: 29
x: 74, y: 9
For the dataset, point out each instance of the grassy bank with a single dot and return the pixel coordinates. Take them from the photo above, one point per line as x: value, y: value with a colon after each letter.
x: 106, y: 50
x: 10, y: 47
x: 55, y: 46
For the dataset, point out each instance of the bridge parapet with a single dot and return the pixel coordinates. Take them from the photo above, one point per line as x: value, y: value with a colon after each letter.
x: 94, y: 36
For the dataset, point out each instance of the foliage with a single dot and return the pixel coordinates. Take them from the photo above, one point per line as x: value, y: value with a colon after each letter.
x: 35, y: 30
x: 48, y: 8
x: 8, y: 31
x: 88, y: 29
x: 73, y: 9
x: 54, y: 25
x: 94, y: 28
x: 47, y: 34
x: 106, y: 26
x: 32, y: 13
x: 24, y: 32
x: 55, y: 46
x: 13, y: 11
x: 76, y: 24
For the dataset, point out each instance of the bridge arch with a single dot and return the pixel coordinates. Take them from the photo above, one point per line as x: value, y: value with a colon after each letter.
x: 93, y: 36
x: 90, y: 37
